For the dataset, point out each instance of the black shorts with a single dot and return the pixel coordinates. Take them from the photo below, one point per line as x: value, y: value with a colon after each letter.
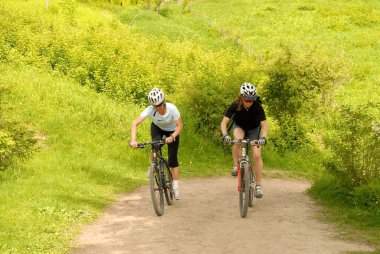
x: 157, y: 134
x: 253, y: 134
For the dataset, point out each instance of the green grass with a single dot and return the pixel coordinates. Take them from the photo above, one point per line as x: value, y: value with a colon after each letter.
x: 81, y: 164
x: 84, y: 160
x: 350, y: 29
x: 172, y: 22
x: 355, y: 222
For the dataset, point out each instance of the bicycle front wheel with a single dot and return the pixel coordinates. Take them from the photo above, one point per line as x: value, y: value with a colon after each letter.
x: 156, y: 190
x: 168, y: 182
x: 244, y: 191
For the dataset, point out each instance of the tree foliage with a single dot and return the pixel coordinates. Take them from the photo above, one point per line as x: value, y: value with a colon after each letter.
x: 294, y: 92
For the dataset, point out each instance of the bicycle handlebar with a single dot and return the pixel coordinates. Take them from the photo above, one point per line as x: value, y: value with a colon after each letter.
x: 253, y: 142
x: 144, y: 144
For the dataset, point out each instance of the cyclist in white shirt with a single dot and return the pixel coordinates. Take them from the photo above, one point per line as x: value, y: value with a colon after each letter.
x: 166, y: 121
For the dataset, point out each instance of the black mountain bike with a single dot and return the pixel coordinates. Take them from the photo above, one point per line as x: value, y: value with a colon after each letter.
x: 160, y: 177
x: 246, y: 176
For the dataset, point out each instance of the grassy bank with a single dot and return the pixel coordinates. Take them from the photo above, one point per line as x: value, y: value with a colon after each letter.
x: 199, y: 55
x: 83, y: 160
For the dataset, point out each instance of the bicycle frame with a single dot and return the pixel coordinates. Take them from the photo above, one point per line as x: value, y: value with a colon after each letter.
x: 244, y: 158
x: 160, y: 177
x: 246, y: 176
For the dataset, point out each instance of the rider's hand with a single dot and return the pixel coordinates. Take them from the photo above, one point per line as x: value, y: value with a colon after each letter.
x: 169, y: 139
x: 262, y: 141
x: 226, y: 138
x: 133, y: 144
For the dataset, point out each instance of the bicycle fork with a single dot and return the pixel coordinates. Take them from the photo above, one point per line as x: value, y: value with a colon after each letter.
x: 240, y: 173
x: 252, y: 181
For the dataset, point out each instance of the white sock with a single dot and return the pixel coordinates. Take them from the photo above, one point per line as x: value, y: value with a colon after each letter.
x: 175, y: 184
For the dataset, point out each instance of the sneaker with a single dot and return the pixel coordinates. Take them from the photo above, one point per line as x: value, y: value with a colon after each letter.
x: 259, y: 191
x: 176, y: 194
x: 234, y: 171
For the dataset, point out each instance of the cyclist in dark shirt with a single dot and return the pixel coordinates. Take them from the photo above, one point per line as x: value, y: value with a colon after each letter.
x: 249, y: 122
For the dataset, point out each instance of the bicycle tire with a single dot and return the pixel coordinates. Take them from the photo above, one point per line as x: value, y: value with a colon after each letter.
x: 251, y: 188
x: 156, y: 190
x: 168, y: 182
x: 244, y: 191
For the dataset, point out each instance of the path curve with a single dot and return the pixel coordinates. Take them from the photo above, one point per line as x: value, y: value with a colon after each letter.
x: 207, y: 220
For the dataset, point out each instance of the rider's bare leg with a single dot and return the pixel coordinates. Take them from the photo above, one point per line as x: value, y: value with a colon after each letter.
x: 236, y: 149
x: 175, y: 173
x: 258, y: 163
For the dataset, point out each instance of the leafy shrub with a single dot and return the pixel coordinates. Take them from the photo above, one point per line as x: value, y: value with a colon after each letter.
x: 331, y: 188
x: 368, y: 195
x: 298, y: 81
x: 16, y: 141
x: 214, y: 86
x: 362, y: 202
x: 355, y: 142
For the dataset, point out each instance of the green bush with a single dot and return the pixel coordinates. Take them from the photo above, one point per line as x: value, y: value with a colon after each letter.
x: 331, y: 188
x: 361, y: 205
x: 16, y: 142
x: 355, y: 142
x: 214, y: 86
x: 368, y: 196
x: 298, y: 84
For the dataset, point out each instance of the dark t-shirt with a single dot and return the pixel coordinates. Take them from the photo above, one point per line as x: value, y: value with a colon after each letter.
x: 247, y: 119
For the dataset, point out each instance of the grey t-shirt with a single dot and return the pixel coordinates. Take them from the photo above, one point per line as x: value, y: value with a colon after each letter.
x: 165, y: 122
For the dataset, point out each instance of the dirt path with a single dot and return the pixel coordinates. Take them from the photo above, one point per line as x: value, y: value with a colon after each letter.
x: 207, y: 220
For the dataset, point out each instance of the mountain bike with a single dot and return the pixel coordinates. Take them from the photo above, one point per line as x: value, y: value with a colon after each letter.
x: 160, y: 177
x: 246, y: 176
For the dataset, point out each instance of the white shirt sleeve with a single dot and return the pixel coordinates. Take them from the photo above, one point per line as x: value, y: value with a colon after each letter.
x: 147, y: 112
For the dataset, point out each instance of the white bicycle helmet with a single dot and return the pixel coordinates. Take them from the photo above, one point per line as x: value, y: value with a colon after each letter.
x: 156, y: 97
x: 248, y: 91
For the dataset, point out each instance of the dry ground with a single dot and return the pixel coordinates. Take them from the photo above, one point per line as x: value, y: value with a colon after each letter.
x: 207, y: 220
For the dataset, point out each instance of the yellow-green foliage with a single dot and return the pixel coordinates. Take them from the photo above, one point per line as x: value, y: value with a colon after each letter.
x: 109, y: 58
x: 16, y: 141
x: 301, y: 82
x: 355, y: 141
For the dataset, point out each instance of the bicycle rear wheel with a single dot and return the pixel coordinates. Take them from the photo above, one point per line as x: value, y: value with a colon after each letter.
x: 252, y: 184
x: 251, y: 190
x: 244, y: 191
x: 156, y: 190
x: 168, y: 182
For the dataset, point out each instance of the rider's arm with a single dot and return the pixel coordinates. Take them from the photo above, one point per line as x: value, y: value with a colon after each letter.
x: 179, y: 128
x: 136, y: 122
x: 223, y: 125
x: 264, y: 129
